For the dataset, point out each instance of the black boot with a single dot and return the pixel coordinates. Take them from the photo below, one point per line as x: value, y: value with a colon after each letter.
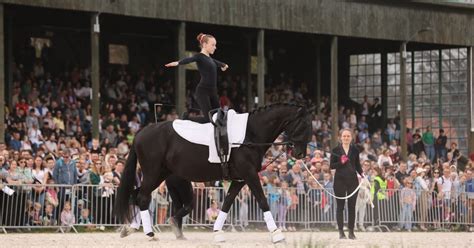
x: 351, y: 234
x: 341, y: 234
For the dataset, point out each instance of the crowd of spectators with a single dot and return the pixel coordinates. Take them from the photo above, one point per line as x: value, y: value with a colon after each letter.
x: 48, y: 142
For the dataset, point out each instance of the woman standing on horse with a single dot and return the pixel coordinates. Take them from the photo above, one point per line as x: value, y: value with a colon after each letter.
x: 206, y: 91
x: 345, y: 159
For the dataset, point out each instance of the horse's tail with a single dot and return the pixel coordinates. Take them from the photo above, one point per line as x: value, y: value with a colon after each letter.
x: 124, y: 192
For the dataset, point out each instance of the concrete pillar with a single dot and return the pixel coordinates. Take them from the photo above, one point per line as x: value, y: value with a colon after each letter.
x: 470, y: 92
x: 180, y: 82
x: 403, y: 101
x: 261, y: 67
x: 95, y: 74
x: 8, y: 34
x: 2, y: 76
x: 250, y: 98
x: 384, y: 87
x: 318, y: 74
x: 334, y: 93
x: 412, y: 98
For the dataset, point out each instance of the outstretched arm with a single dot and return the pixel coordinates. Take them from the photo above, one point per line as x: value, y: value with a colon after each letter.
x: 182, y: 62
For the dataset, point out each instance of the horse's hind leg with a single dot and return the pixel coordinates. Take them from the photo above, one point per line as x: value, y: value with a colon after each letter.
x: 144, y: 198
x: 181, y: 193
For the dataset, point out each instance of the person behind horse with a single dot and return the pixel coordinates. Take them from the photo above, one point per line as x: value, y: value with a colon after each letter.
x: 345, y: 159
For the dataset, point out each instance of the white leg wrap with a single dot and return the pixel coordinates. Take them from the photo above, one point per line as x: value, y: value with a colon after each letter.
x: 146, y: 221
x: 267, y: 216
x: 136, y: 220
x: 220, y: 221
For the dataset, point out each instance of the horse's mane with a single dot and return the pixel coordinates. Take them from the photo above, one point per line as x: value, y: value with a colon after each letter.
x: 273, y: 105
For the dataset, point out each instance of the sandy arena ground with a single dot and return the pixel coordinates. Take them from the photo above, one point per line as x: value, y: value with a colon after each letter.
x: 239, y: 239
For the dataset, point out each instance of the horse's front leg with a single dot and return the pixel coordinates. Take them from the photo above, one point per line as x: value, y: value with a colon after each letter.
x: 233, y: 191
x: 254, y: 184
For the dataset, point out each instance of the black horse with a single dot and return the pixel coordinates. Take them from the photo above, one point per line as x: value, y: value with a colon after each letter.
x: 162, y: 152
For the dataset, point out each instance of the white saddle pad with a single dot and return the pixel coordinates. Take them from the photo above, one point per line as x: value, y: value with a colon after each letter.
x: 203, y: 134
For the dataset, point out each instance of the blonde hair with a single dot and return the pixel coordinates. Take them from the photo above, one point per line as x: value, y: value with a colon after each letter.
x: 94, y: 168
x: 203, y: 38
x: 108, y: 156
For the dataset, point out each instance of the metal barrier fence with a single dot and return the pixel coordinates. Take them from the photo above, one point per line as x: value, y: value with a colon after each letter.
x: 42, y: 206
x: 36, y: 206
x: 438, y: 210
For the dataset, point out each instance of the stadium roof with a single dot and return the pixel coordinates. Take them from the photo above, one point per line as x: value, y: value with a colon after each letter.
x: 451, y: 23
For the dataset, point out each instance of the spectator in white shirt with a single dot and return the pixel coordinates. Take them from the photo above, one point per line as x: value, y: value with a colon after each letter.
x: 385, y: 158
x: 446, y: 185
x: 134, y: 124
x: 35, y: 137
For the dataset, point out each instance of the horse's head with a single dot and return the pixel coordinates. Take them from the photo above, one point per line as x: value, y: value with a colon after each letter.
x: 299, y: 132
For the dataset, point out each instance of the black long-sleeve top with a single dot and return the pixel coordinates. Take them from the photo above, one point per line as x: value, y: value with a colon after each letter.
x: 207, y: 67
x: 351, y: 167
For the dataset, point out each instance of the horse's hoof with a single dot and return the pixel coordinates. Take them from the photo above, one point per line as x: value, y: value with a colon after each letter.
x: 278, y: 236
x: 152, y: 237
x: 126, y: 230
x: 181, y: 238
x: 219, y: 236
x: 174, y: 227
x: 150, y: 234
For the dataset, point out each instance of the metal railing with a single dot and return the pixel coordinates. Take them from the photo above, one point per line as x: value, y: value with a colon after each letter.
x: 41, y: 206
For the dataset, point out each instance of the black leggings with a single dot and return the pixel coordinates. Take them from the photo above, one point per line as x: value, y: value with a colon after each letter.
x: 343, y: 186
x: 181, y: 193
x: 207, y: 99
